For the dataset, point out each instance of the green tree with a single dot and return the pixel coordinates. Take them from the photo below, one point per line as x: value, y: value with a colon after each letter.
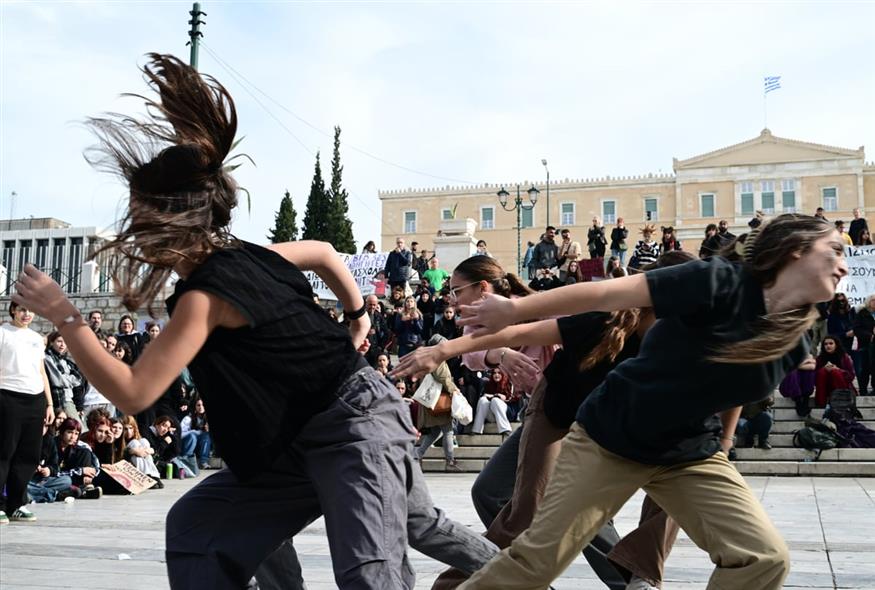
x: 316, y: 215
x: 284, y: 228
x: 339, y: 224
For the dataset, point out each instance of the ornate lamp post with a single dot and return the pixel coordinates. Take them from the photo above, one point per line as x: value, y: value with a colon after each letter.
x: 518, y: 206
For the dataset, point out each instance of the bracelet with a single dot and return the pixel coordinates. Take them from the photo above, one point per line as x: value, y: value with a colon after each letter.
x: 354, y: 315
x: 729, y: 438
x: 71, y: 319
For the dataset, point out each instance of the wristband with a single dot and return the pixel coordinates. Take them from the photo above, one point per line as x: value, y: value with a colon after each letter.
x: 354, y: 315
x: 72, y: 318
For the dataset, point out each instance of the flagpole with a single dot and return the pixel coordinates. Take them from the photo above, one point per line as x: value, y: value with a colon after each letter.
x: 765, y: 110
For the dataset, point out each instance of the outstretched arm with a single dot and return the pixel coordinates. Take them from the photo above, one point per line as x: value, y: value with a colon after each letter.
x: 493, y: 313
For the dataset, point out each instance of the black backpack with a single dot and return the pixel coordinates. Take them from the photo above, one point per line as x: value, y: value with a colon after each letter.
x: 842, y: 406
x: 815, y: 439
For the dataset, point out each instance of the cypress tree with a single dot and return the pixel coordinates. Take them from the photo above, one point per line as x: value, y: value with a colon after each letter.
x: 284, y: 229
x: 316, y: 215
x: 339, y: 224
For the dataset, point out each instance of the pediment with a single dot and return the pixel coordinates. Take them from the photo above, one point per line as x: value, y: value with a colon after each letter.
x: 767, y: 149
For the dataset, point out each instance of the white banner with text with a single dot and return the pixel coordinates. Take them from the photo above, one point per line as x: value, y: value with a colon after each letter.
x: 860, y: 282
x: 364, y: 268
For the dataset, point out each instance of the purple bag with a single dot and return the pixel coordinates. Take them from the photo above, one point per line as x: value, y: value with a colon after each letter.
x: 857, y: 436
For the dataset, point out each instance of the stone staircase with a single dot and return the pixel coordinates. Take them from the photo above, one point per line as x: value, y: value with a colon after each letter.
x: 475, y: 450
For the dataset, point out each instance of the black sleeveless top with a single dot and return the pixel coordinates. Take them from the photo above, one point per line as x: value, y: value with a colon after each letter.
x: 263, y: 382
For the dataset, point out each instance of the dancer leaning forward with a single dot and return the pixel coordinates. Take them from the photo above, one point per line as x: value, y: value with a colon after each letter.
x: 727, y: 333
x: 304, y: 425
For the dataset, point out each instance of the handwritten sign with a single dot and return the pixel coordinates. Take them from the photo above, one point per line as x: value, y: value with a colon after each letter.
x: 364, y: 268
x: 860, y: 282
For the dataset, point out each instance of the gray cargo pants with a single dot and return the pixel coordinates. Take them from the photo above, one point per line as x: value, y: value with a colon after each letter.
x: 429, y: 531
x: 351, y: 462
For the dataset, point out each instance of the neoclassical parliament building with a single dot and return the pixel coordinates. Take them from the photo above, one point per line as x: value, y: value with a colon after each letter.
x: 767, y: 173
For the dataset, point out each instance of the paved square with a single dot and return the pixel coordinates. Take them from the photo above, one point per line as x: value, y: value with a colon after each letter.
x: 829, y: 524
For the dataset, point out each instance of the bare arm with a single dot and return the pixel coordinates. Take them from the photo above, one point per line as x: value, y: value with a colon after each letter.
x: 494, y: 313
x: 729, y: 419
x: 50, y: 410
x: 322, y: 258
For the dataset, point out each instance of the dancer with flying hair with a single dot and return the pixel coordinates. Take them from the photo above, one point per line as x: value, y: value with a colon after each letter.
x: 305, y: 426
x: 736, y: 328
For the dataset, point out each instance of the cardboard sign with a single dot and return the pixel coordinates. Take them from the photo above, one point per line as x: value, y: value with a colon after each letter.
x: 128, y: 477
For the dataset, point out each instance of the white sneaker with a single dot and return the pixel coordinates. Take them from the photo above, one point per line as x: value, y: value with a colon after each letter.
x: 637, y: 583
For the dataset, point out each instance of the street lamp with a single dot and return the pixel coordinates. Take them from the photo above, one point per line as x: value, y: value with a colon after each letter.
x: 544, y: 162
x: 518, y: 206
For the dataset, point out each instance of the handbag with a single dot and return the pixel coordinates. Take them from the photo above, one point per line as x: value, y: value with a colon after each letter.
x: 428, y: 392
x: 462, y: 410
x: 444, y: 404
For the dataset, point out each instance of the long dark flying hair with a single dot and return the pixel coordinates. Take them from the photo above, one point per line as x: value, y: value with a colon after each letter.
x: 172, y: 160
x: 765, y: 251
x: 485, y: 268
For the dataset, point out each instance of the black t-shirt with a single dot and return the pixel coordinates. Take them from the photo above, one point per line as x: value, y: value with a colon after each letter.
x: 567, y: 385
x: 263, y: 382
x: 660, y: 407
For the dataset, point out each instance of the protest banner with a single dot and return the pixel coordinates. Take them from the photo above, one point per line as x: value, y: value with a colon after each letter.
x: 364, y: 268
x: 860, y: 282
x: 128, y: 477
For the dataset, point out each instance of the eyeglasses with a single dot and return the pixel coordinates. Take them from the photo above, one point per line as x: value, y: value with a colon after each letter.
x: 454, y: 291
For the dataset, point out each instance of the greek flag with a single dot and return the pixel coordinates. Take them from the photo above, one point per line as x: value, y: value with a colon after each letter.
x: 771, y: 83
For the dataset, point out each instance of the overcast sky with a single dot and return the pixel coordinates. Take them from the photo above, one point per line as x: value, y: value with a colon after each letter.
x: 459, y: 92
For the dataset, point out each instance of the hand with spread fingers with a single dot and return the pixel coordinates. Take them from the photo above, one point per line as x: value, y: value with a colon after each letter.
x: 488, y: 315
x: 418, y: 363
x: 522, y: 371
x: 36, y: 291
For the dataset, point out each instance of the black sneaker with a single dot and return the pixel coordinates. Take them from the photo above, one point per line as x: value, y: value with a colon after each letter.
x: 764, y: 445
x: 158, y: 485
x: 92, y: 493
x: 732, y: 454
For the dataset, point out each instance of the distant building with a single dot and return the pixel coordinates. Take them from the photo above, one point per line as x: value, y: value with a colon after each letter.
x: 767, y: 173
x: 55, y: 247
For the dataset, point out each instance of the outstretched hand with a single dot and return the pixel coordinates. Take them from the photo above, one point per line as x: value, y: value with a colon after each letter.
x: 36, y: 291
x: 522, y: 371
x: 417, y: 363
x: 487, y: 315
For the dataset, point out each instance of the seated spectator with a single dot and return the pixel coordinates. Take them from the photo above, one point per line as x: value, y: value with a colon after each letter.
x: 840, y: 321
x: 835, y: 370
x: 617, y: 273
x: 383, y: 364
x: 128, y: 335
x: 573, y: 274
x: 65, y: 380
x: 76, y: 460
x: 47, y: 485
x: 492, y: 405
x: 123, y: 353
x: 196, y: 441
x: 755, y: 421
x: 408, y: 327
x: 446, y: 325
x: 545, y: 279
x: 99, y: 438
x: 138, y: 451
x: 798, y: 385
x: 166, y: 445
x: 110, y: 342
x: 433, y: 426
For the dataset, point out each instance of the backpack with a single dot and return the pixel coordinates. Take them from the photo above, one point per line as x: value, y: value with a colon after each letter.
x: 815, y: 437
x: 842, y: 406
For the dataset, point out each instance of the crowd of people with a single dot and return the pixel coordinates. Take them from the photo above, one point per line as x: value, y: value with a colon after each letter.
x: 609, y: 375
x: 168, y: 440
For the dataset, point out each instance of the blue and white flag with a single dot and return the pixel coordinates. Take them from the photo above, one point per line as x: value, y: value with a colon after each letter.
x: 771, y: 83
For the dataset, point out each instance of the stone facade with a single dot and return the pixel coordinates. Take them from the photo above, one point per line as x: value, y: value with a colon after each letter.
x: 767, y: 173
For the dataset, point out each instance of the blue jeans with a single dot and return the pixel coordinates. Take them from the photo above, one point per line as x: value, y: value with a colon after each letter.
x: 760, y: 425
x: 46, y: 489
x: 197, y: 443
x: 431, y: 435
x: 621, y: 254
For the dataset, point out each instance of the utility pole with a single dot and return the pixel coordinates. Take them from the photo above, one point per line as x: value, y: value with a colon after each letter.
x: 195, y: 32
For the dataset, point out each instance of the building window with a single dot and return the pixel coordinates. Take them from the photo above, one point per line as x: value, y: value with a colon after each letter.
x: 74, y: 270
x: 58, y: 246
x: 609, y: 212
x: 410, y: 222
x: 767, y: 197
x: 706, y: 205
x: 651, y: 209
x: 746, y: 191
x: 566, y: 214
x: 23, y: 254
x: 527, y: 218
x: 487, y: 217
x: 830, y: 198
x: 788, y: 195
x: 8, y: 257
x: 446, y: 214
x: 42, y: 255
